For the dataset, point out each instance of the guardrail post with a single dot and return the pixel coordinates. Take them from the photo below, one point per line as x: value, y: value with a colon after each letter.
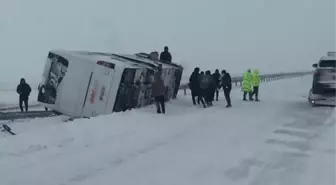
x: 185, y: 91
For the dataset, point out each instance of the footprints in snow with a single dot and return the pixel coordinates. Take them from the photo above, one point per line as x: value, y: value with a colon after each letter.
x: 242, y: 170
x: 300, y: 133
x: 39, y: 147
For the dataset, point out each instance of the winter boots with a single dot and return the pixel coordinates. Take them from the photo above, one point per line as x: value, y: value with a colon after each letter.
x: 160, y: 105
x: 250, y: 96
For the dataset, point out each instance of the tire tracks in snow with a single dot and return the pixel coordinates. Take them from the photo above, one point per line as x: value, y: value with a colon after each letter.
x: 292, y: 146
x: 283, y: 156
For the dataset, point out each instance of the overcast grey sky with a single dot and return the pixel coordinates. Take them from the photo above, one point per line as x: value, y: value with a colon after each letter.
x: 271, y: 35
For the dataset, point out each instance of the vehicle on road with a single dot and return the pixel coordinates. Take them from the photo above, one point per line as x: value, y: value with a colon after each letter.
x: 324, y: 81
x: 88, y: 84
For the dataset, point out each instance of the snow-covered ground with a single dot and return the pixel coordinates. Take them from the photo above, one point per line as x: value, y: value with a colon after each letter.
x: 281, y: 140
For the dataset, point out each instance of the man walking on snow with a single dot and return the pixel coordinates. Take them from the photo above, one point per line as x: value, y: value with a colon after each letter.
x: 217, y: 78
x: 23, y: 89
x: 247, y: 85
x: 227, y: 86
x: 158, y: 92
x: 194, y: 85
x: 255, y: 83
x: 207, y: 86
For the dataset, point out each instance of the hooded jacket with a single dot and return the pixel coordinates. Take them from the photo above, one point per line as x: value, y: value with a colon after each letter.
x: 23, y: 89
x: 247, y: 82
x: 255, y: 78
x: 194, y: 81
x: 226, y: 81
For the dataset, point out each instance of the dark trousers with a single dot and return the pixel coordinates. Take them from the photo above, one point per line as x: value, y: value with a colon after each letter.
x: 24, y: 100
x: 213, y: 93
x: 160, y: 104
x: 200, y: 99
x: 195, y: 93
x: 194, y: 99
x: 227, y: 91
x: 209, y: 95
x: 256, y: 92
x: 216, y: 94
x: 250, y: 95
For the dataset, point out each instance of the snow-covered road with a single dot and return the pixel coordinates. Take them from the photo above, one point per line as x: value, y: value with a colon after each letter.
x: 281, y: 140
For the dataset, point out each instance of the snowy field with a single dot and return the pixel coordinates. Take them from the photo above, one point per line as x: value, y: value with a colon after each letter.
x: 281, y: 140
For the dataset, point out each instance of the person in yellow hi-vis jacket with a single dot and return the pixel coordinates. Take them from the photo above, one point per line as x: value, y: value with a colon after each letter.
x: 255, y: 83
x: 247, y: 85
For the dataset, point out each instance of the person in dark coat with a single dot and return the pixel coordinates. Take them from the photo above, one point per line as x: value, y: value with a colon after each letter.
x: 217, y: 79
x: 23, y: 89
x: 194, y: 85
x: 165, y: 56
x: 226, y: 83
x: 201, y: 98
x: 207, y: 84
x: 158, y: 92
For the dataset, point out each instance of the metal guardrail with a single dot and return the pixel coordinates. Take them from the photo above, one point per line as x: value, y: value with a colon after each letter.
x: 237, y: 80
x: 24, y: 115
x: 15, y: 107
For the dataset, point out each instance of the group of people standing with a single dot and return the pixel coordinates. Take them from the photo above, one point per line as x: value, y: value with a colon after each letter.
x: 205, y: 86
x: 250, y: 85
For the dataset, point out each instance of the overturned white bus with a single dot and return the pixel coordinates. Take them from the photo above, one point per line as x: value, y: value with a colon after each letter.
x: 87, y: 84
